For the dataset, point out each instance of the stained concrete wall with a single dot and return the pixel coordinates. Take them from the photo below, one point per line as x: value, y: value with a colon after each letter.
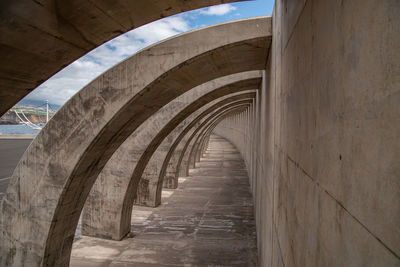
x: 322, y: 143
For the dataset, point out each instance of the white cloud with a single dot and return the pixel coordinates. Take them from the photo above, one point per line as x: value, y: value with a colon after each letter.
x: 67, y: 82
x: 218, y: 10
x: 59, y: 88
x: 161, y: 29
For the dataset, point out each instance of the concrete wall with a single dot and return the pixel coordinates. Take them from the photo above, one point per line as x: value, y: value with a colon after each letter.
x: 322, y: 142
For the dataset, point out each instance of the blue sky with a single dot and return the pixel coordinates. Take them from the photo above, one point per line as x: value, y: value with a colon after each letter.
x: 63, y: 85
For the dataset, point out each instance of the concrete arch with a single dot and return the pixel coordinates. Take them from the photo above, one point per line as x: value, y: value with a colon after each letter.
x: 196, y: 147
x: 202, y: 147
x: 200, y: 140
x: 169, y: 176
x: 149, y: 193
x: 181, y: 164
x: 187, y: 161
x: 129, y: 198
x: 203, y: 143
x: 195, y: 153
x: 104, y: 218
x: 52, y: 34
x: 199, y: 144
x: 169, y: 170
x: 75, y: 145
x: 103, y: 228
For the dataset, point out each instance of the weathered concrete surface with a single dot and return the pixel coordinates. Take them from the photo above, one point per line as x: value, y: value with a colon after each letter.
x: 50, y: 190
x: 191, y: 150
x: 39, y: 38
x: 104, y: 211
x: 169, y: 173
x: 182, y: 164
x: 149, y: 190
x: 207, y: 221
x: 186, y: 162
x: 196, y: 143
x: 323, y: 144
x: 197, y: 150
x: 151, y: 183
x: 320, y: 142
x: 205, y: 144
x: 171, y: 165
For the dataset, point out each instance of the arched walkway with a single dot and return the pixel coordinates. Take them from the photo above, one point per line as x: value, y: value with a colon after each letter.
x: 56, y: 173
x: 207, y: 221
x: 106, y: 207
x: 152, y: 173
x: 110, y: 217
x: 320, y: 139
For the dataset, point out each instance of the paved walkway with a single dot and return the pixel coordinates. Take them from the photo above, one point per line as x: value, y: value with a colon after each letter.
x: 207, y: 221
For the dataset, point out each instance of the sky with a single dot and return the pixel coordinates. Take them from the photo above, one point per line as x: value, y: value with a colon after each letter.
x: 63, y: 85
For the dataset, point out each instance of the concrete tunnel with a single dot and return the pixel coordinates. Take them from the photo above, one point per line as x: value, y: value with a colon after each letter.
x: 305, y: 98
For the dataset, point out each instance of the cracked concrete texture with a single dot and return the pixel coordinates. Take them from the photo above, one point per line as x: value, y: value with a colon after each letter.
x: 114, y: 188
x: 107, y: 218
x: 182, y: 164
x: 153, y: 174
x: 208, y: 220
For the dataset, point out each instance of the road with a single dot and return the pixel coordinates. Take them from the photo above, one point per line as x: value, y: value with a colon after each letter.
x: 11, y: 150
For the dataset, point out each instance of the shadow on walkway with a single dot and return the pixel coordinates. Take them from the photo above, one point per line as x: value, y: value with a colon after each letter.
x: 207, y: 221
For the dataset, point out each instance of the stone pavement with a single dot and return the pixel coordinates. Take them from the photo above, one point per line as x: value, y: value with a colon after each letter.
x: 207, y: 221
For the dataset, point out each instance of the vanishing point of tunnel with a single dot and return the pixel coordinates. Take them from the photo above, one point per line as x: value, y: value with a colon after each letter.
x: 265, y: 141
